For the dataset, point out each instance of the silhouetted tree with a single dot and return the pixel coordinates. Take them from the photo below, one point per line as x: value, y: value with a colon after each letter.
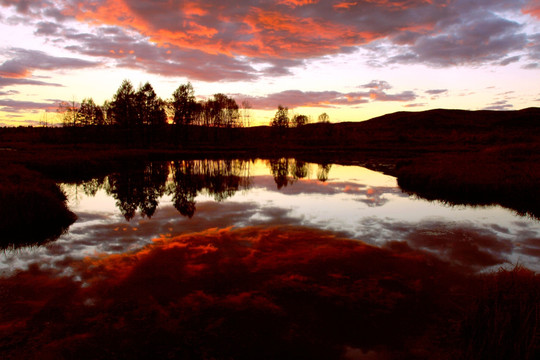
x: 108, y: 117
x: 183, y: 104
x: 123, y: 107
x: 149, y: 107
x: 68, y: 112
x: 281, y: 118
x: 89, y: 113
x: 299, y: 120
x: 324, y: 118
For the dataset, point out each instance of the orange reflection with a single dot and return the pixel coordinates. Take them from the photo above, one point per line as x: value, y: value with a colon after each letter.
x: 226, y: 293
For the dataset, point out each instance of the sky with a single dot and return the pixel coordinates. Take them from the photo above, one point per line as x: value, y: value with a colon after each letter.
x: 353, y: 60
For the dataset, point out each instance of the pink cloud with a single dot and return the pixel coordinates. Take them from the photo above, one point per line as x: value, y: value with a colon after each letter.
x: 297, y: 98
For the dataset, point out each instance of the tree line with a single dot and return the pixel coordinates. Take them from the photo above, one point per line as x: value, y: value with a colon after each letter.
x: 132, y: 108
x: 141, y: 107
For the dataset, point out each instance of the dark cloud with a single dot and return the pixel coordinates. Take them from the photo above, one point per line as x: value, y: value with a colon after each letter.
x: 4, y: 81
x: 415, y: 105
x: 474, y: 39
x: 377, y: 85
x: 16, y: 106
x: 9, y: 92
x: 23, y: 62
x: 47, y: 28
x: 499, y: 105
x: 436, y: 91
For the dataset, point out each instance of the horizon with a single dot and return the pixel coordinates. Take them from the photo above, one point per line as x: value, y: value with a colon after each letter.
x: 353, y: 60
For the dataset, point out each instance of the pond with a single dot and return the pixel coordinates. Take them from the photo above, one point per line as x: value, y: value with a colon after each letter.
x: 221, y: 259
x: 126, y: 210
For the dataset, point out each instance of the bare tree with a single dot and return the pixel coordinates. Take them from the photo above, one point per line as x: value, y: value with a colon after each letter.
x: 246, y: 113
x: 68, y: 112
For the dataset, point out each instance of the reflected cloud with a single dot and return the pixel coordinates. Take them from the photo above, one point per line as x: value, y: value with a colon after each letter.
x: 307, y: 292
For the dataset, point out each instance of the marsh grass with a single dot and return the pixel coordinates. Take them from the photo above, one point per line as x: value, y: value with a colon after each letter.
x: 506, y: 175
x: 502, y: 320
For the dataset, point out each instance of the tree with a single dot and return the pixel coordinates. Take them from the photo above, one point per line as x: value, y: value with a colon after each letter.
x: 183, y: 104
x: 299, y: 120
x: 227, y: 108
x: 246, y: 113
x: 68, y: 112
x: 281, y: 118
x: 123, y: 107
x: 324, y: 118
x: 150, y: 108
x: 89, y: 113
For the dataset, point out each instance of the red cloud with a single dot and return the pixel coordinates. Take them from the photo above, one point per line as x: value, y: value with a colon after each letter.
x: 295, y: 3
x: 533, y: 8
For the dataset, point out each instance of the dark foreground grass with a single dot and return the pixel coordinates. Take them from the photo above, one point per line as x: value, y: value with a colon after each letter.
x: 502, y: 320
x: 33, y: 209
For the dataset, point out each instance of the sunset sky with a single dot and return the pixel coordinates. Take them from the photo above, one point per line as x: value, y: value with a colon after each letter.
x: 351, y: 59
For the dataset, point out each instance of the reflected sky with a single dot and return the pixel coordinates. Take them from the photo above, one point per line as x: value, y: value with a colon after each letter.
x: 351, y: 201
x: 246, y: 260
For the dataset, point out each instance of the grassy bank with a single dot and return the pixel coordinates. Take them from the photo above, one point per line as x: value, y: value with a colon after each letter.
x: 33, y: 209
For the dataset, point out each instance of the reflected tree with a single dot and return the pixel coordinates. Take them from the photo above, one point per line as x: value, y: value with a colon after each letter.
x: 280, y: 171
x: 299, y: 169
x: 183, y: 187
x: 323, y: 171
x: 139, y: 188
x: 218, y: 178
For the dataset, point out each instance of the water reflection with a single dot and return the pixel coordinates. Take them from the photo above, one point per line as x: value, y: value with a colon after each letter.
x: 240, y: 259
x: 140, y: 187
x: 287, y: 171
x: 219, y: 178
x: 264, y: 292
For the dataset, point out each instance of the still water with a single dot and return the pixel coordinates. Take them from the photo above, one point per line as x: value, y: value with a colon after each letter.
x: 127, y: 210
x: 261, y: 259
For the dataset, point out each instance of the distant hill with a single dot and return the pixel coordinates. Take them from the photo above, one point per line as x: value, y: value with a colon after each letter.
x: 444, y: 119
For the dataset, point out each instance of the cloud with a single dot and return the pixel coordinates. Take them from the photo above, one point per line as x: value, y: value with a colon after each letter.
x: 435, y: 33
x: 298, y: 98
x: 17, y: 106
x: 436, y: 91
x: 9, y: 92
x: 134, y: 51
x: 377, y: 85
x: 475, y: 39
x: 23, y: 62
x: 532, y: 8
x: 4, y: 81
x: 499, y: 105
